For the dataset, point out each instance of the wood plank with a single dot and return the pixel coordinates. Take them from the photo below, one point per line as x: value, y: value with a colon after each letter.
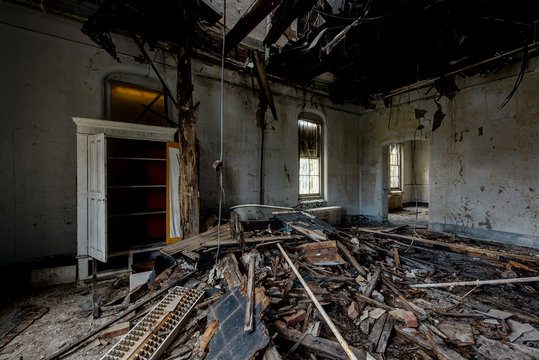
x: 306, y: 224
x: 283, y: 17
x: 458, y: 332
x: 376, y: 332
x: 248, y: 21
x: 249, y: 312
x: 477, y: 282
x: 369, y: 289
x: 456, y: 247
x: 396, y: 257
x: 263, y: 82
x: 320, y: 253
x: 319, y: 344
x: 368, y: 300
x: 21, y: 319
x: 386, y: 333
x: 136, y: 306
x: 351, y: 258
x: 271, y: 353
x: 321, y: 310
x: 228, y: 266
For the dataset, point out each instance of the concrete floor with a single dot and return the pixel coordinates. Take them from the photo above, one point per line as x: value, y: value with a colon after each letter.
x: 62, y: 324
x: 407, y: 216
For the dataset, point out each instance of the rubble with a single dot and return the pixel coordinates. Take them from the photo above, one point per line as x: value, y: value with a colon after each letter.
x: 316, y: 291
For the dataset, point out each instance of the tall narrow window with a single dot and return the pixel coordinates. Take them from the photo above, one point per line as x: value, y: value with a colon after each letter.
x: 395, y: 167
x: 309, y: 158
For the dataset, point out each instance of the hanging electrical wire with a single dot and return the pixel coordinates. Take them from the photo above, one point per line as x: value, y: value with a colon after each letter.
x: 519, y: 78
x: 221, y: 191
x: 419, y: 126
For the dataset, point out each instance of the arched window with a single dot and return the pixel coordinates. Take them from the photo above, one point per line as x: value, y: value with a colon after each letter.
x: 310, y: 157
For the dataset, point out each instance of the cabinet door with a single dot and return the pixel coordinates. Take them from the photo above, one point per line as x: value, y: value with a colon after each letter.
x: 174, y: 231
x: 97, y: 197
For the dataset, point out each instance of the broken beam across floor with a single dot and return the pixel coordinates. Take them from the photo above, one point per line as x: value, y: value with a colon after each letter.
x: 477, y: 282
x: 328, y: 321
x: 455, y: 247
x: 319, y: 344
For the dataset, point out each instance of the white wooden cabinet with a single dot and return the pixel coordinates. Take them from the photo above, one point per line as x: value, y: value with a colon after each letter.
x: 94, y: 223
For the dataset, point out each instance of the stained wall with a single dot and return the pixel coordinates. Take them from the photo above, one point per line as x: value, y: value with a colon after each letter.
x: 483, y: 159
x: 54, y: 72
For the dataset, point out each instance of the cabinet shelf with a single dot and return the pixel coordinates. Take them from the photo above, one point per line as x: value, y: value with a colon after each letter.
x: 137, y: 186
x: 135, y: 158
x: 142, y: 213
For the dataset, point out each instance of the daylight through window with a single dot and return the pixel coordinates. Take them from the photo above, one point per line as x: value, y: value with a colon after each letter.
x: 309, y: 158
x: 395, y: 164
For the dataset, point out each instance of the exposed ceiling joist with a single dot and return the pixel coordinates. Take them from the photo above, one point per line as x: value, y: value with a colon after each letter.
x: 256, y: 13
x: 284, y: 16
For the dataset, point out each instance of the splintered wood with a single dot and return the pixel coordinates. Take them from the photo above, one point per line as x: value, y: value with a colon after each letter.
x: 322, y: 253
x: 296, y: 287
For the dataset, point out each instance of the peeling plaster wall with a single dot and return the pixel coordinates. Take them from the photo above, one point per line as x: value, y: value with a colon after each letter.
x: 483, y: 160
x: 54, y: 72
x: 242, y: 139
x: 378, y: 129
x: 420, y: 158
x: 485, y: 171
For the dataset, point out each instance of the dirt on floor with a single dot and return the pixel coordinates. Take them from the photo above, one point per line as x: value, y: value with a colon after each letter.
x: 365, y: 279
x: 64, y: 322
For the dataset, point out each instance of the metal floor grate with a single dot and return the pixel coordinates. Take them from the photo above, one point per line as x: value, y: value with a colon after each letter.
x: 151, y: 336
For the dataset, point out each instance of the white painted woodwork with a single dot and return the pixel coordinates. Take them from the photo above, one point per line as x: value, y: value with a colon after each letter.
x: 97, y: 197
x: 174, y: 198
x: 124, y: 130
x: 82, y: 195
x: 91, y: 183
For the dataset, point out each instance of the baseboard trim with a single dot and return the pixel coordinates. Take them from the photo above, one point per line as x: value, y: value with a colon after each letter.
x: 488, y: 235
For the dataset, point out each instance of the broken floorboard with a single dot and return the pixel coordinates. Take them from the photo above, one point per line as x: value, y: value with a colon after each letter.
x: 440, y: 313
x: 318, y: 344
x: 209, y: 240
x: 455, y: 247
x: 18, y: 320
x: 306, y: 224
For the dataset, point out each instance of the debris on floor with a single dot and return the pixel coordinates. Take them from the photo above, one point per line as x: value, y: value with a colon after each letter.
x: 295, y: 287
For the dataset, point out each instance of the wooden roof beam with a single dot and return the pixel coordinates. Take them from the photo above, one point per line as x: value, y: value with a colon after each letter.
x: 284, y: 15
x: 256, y: 13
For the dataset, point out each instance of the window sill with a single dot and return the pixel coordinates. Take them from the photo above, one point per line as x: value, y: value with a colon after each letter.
x: 311, y: 203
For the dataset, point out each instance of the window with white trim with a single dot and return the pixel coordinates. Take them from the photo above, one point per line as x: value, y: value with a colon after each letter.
x: 310, y: 159
x: 395, y: 167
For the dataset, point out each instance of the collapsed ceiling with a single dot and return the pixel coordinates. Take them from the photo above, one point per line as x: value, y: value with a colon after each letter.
x: 373, y: 47
x: 369, y: 47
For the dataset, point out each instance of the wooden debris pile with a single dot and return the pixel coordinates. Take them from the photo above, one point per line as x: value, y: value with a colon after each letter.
x: 295, y: 287
x: 362, y: 279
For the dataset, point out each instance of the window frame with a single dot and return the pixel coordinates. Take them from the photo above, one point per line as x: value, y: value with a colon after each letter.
x: 136, y: 80
x: 320, y: 157
x: 399, y: 189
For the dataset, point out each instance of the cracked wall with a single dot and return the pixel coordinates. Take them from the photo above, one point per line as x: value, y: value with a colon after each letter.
x: 54, y: 72
x: 483, y: 160
x: 488, y: 157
